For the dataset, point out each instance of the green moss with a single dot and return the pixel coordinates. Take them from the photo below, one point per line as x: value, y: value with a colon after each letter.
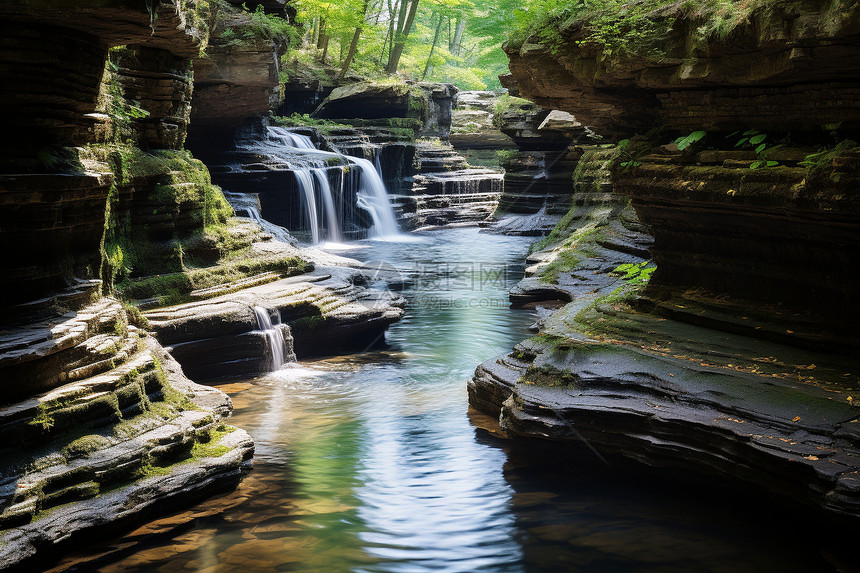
x: 505, y: 103
x: 85, y: 445
x: 564, y: 262
x: 211, y: 448
x: 548, y: 377
x: 175, y: 288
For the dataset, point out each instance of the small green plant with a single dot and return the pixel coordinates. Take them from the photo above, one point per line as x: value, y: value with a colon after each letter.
x: 635, y: 273
x: 822, y: 164
x: 688, y: 140
x: 754, y: 139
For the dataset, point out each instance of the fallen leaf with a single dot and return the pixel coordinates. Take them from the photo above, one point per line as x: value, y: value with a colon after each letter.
x: 811, y: 458
x: 796, y: 419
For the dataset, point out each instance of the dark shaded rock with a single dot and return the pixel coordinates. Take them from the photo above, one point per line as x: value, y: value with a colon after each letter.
x: 61, y: 219
x: 788, y: 65
x: 766, y: 236
x: 429, y: 103
x: 160, y: 84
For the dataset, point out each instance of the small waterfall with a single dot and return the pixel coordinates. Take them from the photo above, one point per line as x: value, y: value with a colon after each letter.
x: 332, y: 223
x: 378, y: 164
x: 306, y: 184
x: 290, y: 139
x: 374, y: 198
x: 327, y: 211
x: 274, y: 337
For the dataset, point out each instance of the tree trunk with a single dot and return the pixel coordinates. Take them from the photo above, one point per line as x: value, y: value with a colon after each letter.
x: 457, y: 42
x: 393, y: 7
x: 400, y: 43
x: 353, y: 46
x: 322, y: 43
x: 433, y: 47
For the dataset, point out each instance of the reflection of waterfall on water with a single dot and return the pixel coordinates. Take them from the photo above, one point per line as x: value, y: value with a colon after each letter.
x: 274, y: 337
x: 332, y: 223
x: 373, y: 197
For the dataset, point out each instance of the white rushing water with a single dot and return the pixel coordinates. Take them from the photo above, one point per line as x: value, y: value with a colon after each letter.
x: 306, y: 185
x: 325, y: 211
x: 274, y: 337
x: 332, y: 224
x: 373, y: 197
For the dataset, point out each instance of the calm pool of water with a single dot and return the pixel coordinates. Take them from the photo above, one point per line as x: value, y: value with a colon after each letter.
x: 372, y: 463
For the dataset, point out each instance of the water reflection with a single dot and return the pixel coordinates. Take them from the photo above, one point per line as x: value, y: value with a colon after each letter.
x: 369, y: 463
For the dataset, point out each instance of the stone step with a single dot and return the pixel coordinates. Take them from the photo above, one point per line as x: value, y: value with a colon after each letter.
x: 234, y: 286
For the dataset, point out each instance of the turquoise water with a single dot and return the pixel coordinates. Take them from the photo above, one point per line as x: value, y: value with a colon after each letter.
x: 373, y: 463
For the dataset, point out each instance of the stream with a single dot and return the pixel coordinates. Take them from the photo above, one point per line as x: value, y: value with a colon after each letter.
x: 373, y: 463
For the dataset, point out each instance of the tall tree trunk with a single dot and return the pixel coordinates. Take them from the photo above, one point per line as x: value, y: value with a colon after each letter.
x: 433, y: 47
x: 393, y: 7
x: 457, y: 42
x: 353, y: 46
x: 400, y: 39
x: 322, y: 43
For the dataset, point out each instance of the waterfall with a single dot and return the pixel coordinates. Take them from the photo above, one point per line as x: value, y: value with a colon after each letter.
x: 377, y: 164
x: 332, y: 223
x: 306, y: 185
x: 290, y: 139
x: 327, y: 211
x: 274, y: 337
x: 374, y: 198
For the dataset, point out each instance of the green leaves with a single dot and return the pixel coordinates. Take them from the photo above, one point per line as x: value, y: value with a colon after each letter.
x: 635, y: 273
x: 685, y: 142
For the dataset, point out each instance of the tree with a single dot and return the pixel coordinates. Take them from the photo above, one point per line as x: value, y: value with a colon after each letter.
x: 405, y: 21
x: 353, y: 46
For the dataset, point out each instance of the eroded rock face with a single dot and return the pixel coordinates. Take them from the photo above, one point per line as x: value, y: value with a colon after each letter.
x: 768, y: 237
x: 666, y: 390
x: 319, y: 313
x: 56, y: 56
x: 234, y: 83
x: 790, y: 65
x: 429, y: 103
x: 161, y: 84
x: 103, y: 435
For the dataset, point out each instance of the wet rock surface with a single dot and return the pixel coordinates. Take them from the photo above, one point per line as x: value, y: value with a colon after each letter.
x: 320, y: 313
x: 447, y: 190
x: 120, y: 432
x: 616, y: 374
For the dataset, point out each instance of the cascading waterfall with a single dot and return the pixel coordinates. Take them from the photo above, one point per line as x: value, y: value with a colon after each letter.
x: 374, y: 198
x: 306, y: 185
x: 332, y: 223
x: 325, y: 212
x: 377, y: 164
x: 274, y: 337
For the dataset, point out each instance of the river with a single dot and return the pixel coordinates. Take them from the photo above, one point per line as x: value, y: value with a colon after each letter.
x: 373, y: 463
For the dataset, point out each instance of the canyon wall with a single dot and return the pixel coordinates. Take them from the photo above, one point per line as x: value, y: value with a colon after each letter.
x: 726, y: 349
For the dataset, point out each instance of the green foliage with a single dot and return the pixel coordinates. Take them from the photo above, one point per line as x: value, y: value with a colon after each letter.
x: 635, y: 273
x: 628, y: 27
x: 754, y: 139
x: 686, y: 141
x: 823, y: 165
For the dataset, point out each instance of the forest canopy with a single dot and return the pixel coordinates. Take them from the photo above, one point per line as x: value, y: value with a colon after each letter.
x: 460, y: 41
